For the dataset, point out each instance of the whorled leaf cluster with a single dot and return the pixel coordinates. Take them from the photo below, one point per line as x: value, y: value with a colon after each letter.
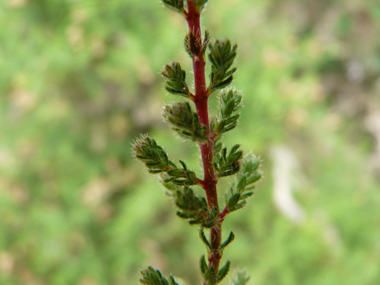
x: 175, y: 79
x: 229, y: 103
x: 222, y: 55
x: 249, y: 174
x: 193, y: 46
x: 151, y: 276
x: 156, y: 160
x: 191, y: 206
x: 185, y: 121
x: 148, y: 151
x: 227, y: 164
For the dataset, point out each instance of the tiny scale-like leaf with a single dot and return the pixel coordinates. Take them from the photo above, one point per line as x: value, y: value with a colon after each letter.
x: 203, y: 265
x: 224, y: 271
x: 230, y: 239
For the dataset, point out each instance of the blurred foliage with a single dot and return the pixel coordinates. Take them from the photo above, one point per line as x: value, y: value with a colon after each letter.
x: 80, y: 79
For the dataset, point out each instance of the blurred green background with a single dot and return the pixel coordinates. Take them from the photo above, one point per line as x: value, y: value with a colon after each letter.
x: 79, y: 80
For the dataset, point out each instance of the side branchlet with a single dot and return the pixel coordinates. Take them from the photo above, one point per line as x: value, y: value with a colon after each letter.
x: 227, y: 164
x: 193, y: 44
x: 222, y: 55
x: 185, y: 121
x: 175, y: 80
x: 154, y: 277
x: 236, y: 197
x: 229, y: 103
x: 156, y: 160
x: 148, y: 151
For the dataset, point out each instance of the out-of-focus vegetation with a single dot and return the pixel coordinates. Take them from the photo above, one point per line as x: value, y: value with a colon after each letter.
x: 80, y: 79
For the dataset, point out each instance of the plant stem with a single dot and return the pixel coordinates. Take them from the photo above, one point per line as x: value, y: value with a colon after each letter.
x: 201, y: 104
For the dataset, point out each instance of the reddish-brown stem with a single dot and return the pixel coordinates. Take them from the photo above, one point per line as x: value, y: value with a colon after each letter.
x: 201, y: 104
x: 213, y: 136
x: 200, y: 182
x: 192, y: 97
x: 224, y: 213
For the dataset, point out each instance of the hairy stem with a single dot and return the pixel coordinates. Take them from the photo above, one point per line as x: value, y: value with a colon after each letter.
x: 201, y: 103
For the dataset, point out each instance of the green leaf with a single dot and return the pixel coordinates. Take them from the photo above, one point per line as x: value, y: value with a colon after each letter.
x: 210, y: 276
x: 224, y: 156
x: 183, y: 182
x: 203, y: 265
x: 230, y: 239
x: 191, y: 205
x: 166, y: 181
x: 233, y: 200
x: 234, y: 149
x: 250, y: 169
x: 172, y: 281
x: 241, y: 185
x: 224, y: 271
x: 184, y: 215
x: 217, y: 149
x: 196, y: 221
x: 238, y: 206
x: 236, y: 198
x: 204, y: 239
x: 255, y: 177
x: 206, y: 41
x: 250, y: 164
x: 230, y: 101
x: 231, y: 170
x: 175, y: 172
x: 250, y: 187
x: 183, y: 164
x: 211, y: 218
x: 223, y: 83
x: 220, y: 126
x: 227, y: 165
x: 187, y: 44
x: 235, y: 157
x: 155, y: 171
x: 229, y: 108
x: 247, y: 195
x: 191, y: 176
x: 188, y: 201
x: 209, y: 225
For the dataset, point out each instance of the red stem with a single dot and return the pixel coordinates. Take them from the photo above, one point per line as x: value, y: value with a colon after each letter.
x: 201, y: 104
x: 224, y: 213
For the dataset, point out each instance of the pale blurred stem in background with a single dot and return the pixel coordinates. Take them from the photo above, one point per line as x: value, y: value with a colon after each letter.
x: 201, y: 103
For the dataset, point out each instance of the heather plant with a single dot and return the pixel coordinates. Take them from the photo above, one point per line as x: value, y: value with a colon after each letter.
x: 204, y: 209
